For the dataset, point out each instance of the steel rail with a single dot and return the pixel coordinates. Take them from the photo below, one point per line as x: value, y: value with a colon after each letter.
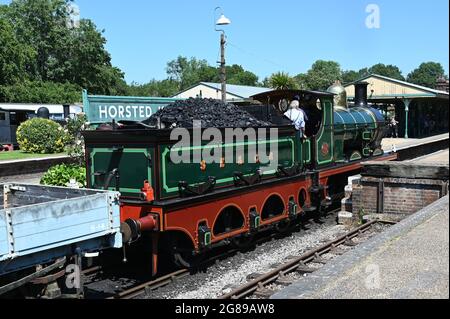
x: 261, y: 281
x: 151, y: 285
x: 92, y: 270
x: 169, y: 278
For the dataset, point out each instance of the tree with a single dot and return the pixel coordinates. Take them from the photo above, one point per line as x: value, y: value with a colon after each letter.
x: 426, y: 74
x: 302, y: 81
x: 61, y: 52
x: 363, y: 72
x: 188, y: 72
x: 350, y: 76
x: 390, y: 71
x: 42, y: 25
x: 265, y: 82
x: 164, y: 88
x: 322, y: 74
x: 237, y: 75
x: 244, y: 78
x: 282, y: 81
x: 15, y: 57
x: 90, y: 64
x: 40, y: 92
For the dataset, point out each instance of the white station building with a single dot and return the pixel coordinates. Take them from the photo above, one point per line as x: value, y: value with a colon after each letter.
x: 235, y: 93
x: 56, y: 110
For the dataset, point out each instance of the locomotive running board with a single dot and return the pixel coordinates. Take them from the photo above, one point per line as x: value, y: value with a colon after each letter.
x: 218, y: 193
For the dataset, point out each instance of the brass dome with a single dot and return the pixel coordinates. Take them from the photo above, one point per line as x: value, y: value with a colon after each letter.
x: 340, y: 98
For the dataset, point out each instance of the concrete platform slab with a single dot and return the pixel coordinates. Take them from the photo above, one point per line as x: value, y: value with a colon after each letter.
x: 440, y: 157
x: 33, y: 179
x: 30, y: 166
x: 400, y: 143
x: 408, y: 261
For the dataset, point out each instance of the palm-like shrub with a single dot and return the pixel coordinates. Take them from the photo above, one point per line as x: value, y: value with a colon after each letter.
x: 282, y: 81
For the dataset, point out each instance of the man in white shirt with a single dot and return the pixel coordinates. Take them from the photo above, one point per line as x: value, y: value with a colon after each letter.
x: 295, y: 114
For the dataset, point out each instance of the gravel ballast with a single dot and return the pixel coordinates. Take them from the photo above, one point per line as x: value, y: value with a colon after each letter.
x: 233, y: 271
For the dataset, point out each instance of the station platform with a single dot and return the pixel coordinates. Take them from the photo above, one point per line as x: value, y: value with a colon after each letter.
x: 29, y: 171
x: 410, y: 260
x: 441, y: 157
x: 401, y: 143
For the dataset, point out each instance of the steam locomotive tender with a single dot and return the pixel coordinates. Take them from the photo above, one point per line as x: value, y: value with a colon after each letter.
x: 182, y: 210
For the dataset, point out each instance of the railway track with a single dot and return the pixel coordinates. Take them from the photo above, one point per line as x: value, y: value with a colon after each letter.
x: 152, y: 285
x: 259, y: 286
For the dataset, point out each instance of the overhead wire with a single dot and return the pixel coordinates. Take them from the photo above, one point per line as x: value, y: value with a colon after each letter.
x: 257, y: 56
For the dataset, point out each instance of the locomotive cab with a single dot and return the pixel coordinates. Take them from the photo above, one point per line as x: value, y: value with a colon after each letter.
x: 313, y: 110
x: 278, y: 101
x: 317, y: 149
x: 335, y: 132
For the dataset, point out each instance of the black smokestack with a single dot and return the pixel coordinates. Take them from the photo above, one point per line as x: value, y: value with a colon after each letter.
x: 361, y: 93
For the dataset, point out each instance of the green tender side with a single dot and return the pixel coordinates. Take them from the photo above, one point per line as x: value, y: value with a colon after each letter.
x: 133, y: 164
x: 171, y: 173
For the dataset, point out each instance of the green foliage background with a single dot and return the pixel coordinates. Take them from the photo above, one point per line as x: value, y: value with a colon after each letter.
x: 45, y: 59
x: 40, y: 92
x: 426, y: 74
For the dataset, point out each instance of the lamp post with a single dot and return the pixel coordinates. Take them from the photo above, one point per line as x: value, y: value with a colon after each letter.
x: 407, y: 103
x: 223, y: 76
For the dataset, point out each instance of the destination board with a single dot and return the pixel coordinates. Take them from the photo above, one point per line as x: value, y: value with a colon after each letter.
x: 104, y: 109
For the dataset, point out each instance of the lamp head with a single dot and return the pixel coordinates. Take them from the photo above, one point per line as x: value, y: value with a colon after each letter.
x: 223, y: 20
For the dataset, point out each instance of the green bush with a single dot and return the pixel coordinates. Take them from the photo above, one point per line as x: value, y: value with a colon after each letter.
x: 60, y: 175
x: 41, y: 136
x: 74, y: 127
x: 75, y: 141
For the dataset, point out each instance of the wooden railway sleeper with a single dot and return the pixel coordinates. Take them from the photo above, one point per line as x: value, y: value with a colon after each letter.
x: 349, y: 242
x: 319, y: 259
x: 335, y: 250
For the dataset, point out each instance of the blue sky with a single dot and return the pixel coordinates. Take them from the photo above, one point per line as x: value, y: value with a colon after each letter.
x: 267, y: 36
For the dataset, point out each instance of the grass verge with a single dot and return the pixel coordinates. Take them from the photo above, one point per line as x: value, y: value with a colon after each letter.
x: 19, y: 155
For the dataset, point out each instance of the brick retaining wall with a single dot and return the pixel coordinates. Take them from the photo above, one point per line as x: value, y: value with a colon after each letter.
x: 391, y: 195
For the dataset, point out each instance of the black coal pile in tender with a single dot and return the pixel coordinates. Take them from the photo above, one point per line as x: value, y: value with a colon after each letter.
x: 211, y: 113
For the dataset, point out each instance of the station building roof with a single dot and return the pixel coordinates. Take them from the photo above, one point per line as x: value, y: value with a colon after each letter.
x: 213, y: 90
x: 385, y: 88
